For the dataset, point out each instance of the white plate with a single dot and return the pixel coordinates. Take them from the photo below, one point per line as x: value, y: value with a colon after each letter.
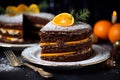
x: 32, y: 54
x: 17, y: 45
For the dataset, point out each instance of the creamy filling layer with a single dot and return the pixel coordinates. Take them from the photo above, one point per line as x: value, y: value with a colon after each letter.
x: 11, y: 39
x: 39, y: 25
x: 64, y: 53
x: 10, y: 31
x: 0, y: 36
x: 66, y: 43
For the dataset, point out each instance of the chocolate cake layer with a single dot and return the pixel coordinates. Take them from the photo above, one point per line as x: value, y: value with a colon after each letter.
x: 11, y: 25
x: 35, y: 19
x: 14, y: 36
x: 52, y: 33
x: 48, y: 36
x: 8, y: 39
x: 69, y: 58
x: 65, y: 48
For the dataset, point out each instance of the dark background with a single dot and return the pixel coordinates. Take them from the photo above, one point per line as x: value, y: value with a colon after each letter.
x: 100, y: 9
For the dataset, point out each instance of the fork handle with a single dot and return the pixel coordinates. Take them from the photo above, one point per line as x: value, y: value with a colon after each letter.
x: 39, y: 70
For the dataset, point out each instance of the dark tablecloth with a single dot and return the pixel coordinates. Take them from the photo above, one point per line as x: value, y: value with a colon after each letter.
x: 92, y: 72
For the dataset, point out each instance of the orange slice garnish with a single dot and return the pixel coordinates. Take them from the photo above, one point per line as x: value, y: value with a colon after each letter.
x: 11, y: 10
x: 63, y: 19
x: 21, y: 8
x: 34, y: 8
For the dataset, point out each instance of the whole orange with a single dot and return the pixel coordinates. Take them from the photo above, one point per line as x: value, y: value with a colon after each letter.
x: 101, y: 29
x: 114, y: 33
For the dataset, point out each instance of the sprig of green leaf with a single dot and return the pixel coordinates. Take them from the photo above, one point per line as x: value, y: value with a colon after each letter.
x: 43, y: 4
x: 81, y: 15
x: 2, y: 10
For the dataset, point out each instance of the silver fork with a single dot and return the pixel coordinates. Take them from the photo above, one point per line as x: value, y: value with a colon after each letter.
x: 14, y: 61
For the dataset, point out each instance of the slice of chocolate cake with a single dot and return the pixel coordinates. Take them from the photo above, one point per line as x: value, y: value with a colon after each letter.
x: 23, y: 28
x: 66, y: 44
x: 22, y: 23
x: 11, y: 29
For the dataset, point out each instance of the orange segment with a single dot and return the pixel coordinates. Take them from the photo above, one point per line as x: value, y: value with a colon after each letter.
x: 33, y: 8
x: 22, y: 8
x: 63, y: 19
x: 11, y: 10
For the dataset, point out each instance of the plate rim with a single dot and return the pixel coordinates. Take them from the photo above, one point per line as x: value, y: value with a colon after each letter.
x: 53, y: 65
x: 17, y: 45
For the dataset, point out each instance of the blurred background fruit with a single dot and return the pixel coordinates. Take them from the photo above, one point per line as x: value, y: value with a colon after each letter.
x: 11, y: 10
x: 114, y: 32
x: 34, y: 8
x: 101, y: 28
x: 21, y: 8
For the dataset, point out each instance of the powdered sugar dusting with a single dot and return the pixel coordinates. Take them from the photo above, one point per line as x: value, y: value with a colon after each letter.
x: 43, y: 15
x: 11, y: 19
x: 51, y: 27
x: 5, y: 66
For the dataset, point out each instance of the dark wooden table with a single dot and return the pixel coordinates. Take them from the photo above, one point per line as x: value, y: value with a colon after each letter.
x: 93, y: 72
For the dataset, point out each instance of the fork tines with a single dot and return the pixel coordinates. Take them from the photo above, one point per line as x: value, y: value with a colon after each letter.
x: 10, y: 56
